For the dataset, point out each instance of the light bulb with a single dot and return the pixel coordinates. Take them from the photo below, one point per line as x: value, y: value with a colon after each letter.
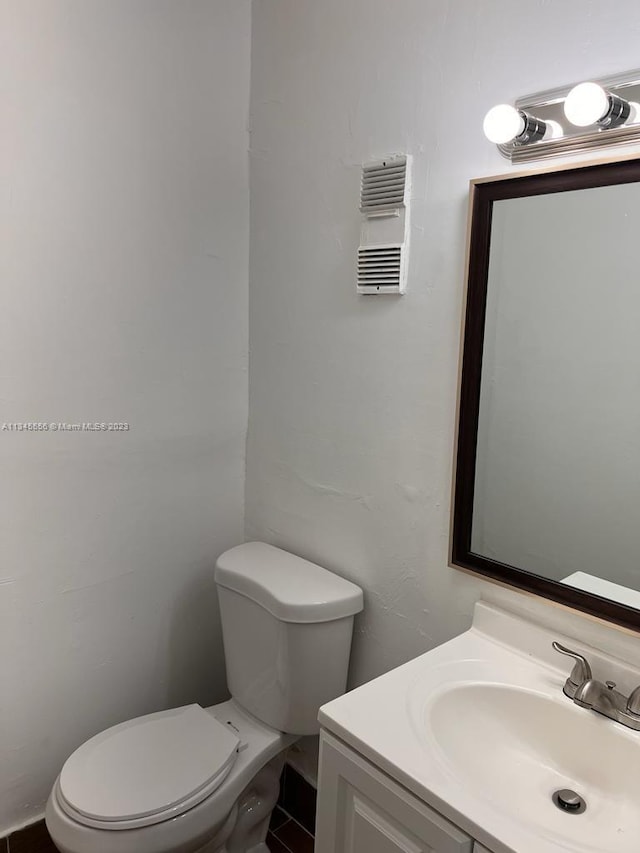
x: 502, y: 124
x: 586, y: 104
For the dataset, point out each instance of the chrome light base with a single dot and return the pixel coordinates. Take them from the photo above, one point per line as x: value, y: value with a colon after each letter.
x: 548, y: 106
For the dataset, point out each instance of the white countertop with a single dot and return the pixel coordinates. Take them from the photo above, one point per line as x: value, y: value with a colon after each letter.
x: 385, y: 721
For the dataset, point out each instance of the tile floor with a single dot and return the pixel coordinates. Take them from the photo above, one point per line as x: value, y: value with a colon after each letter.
x: 287, y: 836
x: 33, y: 839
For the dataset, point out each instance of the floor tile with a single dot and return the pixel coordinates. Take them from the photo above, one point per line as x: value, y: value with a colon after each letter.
x: 299, y: 800
x: 278, y: 817
x: 276, y: 846
x: 33, y: 839
x: 295, y: 837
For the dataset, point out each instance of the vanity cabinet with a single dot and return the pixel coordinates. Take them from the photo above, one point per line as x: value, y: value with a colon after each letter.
x: 362, y: 810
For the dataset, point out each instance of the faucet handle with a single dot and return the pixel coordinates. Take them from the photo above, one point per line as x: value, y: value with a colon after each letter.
x: 633, y: 703
x: 581, y: 671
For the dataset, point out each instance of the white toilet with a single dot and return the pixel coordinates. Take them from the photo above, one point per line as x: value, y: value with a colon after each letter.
x: 205, y: 780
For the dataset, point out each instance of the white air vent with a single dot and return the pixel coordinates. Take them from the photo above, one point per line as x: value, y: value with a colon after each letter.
x: 383, y: 185
x: 381, y: 269
x: 384, y: 246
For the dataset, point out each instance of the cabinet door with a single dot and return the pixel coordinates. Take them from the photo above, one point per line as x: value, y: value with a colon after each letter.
x: 361, y: 810
x: 478, y: 848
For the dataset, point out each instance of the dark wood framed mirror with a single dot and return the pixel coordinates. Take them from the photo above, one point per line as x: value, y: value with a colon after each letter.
x: 547, y: 482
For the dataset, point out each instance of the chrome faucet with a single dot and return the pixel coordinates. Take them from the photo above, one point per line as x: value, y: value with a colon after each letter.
x: 587, y: 692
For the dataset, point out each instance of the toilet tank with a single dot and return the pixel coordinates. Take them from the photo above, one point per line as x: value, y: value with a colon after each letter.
x: 286, y: 626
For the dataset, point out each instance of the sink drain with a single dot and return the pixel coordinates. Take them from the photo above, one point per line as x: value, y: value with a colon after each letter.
x: 568, y: 801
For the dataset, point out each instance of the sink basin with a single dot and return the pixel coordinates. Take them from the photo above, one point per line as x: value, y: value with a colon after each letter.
x: 515, y: 747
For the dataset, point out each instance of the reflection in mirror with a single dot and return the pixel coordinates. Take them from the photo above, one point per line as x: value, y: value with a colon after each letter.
x: 548, y: 483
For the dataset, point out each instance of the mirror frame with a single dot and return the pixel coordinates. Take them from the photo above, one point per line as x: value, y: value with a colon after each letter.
x: 483, y: 193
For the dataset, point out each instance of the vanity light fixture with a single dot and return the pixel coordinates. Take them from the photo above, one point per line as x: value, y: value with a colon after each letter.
x: 568, y: 119
x: 589, y: 103
x: 504, y: 123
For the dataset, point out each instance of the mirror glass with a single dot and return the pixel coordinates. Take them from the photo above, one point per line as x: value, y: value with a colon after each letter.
x: 552, y: 482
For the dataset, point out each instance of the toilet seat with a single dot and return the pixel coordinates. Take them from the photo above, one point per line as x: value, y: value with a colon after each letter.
x: 148, y: 769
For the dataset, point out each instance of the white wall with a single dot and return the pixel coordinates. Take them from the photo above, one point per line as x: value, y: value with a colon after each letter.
x: 123, y: 281
x: 124, y: 223
x: 352, y: 399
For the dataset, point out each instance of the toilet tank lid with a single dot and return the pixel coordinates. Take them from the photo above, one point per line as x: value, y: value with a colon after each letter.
x: 292, y: 589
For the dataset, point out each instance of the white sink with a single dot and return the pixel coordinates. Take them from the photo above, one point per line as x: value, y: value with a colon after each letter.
x: 480, y: 730
x: 516, y: 747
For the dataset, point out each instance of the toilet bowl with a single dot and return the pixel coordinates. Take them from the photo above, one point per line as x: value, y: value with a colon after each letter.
x: 206, y: 780
x: 173, y: 826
